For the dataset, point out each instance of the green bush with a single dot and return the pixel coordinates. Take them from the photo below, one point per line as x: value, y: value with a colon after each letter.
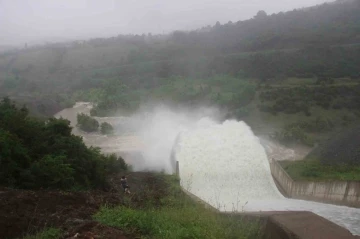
x: 294, y: 134
x: 86, y: 123
x: 35, y: 153
x: 299, y: 99
x: 319, y: 125
x: 52, y: 172
x: 115, y: 164
x: 49, y: 233
x: 106, y: 128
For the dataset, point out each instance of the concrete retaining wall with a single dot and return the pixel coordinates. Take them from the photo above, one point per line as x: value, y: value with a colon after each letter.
x: 335, y: 192
x: 285, y: 225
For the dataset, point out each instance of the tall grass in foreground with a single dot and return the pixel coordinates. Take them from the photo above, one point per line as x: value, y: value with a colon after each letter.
x: 177, y: 217
x: 48, y: 233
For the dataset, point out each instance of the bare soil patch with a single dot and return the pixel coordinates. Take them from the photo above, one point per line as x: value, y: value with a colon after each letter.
x: 26, y: 211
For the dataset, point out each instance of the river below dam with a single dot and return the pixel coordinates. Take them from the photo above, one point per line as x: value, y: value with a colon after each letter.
x: 223, y: 163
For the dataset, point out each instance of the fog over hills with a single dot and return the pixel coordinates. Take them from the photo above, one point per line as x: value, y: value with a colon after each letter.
x: 34, y: 22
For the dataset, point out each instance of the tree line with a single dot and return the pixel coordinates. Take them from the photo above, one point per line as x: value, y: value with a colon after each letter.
x: 38, y: 153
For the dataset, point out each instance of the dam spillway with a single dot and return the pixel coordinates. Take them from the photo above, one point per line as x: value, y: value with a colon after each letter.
x: 224, y: 164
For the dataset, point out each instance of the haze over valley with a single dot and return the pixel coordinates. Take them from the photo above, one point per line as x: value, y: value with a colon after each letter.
x: 115, y: 115
x: 36, y: 22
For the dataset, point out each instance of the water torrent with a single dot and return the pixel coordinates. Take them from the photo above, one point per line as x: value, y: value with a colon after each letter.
x: 226, y: 166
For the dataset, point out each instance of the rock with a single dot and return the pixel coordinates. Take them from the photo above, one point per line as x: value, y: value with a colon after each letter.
x: 91, y: 201
x: 76, y: 221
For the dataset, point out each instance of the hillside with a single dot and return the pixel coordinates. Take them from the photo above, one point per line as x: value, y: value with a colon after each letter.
x: 341, y: 148
x: 51, y: 183
x: 325, y: 27
x: 294, y: 75
x: 40, y: 154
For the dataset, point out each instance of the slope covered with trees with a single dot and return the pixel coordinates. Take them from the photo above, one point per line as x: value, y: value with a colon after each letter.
x: 36, y: 153
x: 284, y: 70
x: 322, y: 40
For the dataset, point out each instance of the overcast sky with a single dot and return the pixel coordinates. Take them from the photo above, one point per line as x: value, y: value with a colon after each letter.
x: 39, y: 20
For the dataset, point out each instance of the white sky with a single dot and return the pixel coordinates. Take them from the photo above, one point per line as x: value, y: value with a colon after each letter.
x: 39, y: 20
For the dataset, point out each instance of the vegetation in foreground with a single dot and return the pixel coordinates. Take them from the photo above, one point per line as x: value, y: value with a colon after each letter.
x: 45, y: 154
x: 177, y: 216
x: 48, y: 233
x: 157, y: 208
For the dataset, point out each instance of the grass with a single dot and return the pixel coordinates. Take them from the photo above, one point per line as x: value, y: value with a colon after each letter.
x: 48, y: 233
x: 315, y: 171
x: 177, y: 217
x: 272, y: 123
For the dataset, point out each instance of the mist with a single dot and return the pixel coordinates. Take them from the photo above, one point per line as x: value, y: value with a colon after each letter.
x: 35, y: 22
x: 158, y: 126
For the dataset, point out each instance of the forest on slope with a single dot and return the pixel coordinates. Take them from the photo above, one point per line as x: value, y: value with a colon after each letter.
x: 297, y: 72
x: 45, y: 154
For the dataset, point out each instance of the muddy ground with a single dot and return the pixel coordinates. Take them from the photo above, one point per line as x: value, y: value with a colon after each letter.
x: 24, y: 211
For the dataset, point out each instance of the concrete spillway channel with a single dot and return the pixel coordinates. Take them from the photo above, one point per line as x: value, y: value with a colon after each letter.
x: 223, y: 164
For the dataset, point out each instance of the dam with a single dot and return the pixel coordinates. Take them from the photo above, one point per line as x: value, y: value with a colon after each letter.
x: 223, y: 163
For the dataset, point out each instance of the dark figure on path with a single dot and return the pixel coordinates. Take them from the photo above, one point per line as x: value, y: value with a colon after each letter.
x: 124, y: 185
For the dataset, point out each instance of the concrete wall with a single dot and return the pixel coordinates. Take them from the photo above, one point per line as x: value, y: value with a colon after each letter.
x: 335, y: 192
x: 285, y: 225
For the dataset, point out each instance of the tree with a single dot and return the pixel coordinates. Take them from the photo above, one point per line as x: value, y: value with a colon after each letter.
x: 52, y: 172
x: 106, y: 128
x: 86, y: 123
x: 217, y: 25
x: 115, y: 164
x: 14, y: 158
x: 36, y: 153
x: 261, y: 15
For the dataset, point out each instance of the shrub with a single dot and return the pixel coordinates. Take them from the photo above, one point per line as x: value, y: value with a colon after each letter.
x: 86, y: 123
x: 294, y: 134
x: 115, y: 164
x: 52, y: 172
x: 48, y: 233
x: 35, y: 153
x: 106, y: 128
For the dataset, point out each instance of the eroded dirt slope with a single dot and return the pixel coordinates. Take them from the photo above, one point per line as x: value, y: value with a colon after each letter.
x: 24, y: 211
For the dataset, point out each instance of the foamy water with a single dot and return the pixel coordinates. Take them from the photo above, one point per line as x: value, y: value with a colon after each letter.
x: 226, y: 166
x: 222, y: 169
x: 223, y: 164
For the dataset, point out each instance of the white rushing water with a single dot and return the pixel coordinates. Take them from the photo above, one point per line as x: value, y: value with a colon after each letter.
x: 223, y: 164
x: 226, y: 166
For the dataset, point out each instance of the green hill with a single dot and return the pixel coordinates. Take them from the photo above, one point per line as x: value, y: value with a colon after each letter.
x: 44, y: 154
x: 341, y: 148
x: 296, y: 72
